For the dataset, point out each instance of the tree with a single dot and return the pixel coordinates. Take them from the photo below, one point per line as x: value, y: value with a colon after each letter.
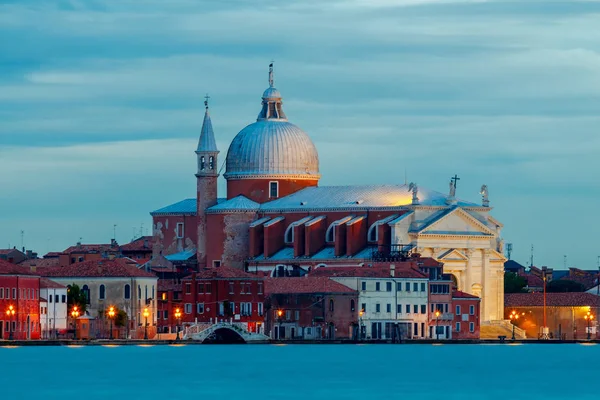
x: 564, y: 285
x: 514, y: 283
x: 120, y: 318
x: 76, y: 297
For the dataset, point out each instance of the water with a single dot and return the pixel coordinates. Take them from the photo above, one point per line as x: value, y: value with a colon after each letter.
x: 414, y: 372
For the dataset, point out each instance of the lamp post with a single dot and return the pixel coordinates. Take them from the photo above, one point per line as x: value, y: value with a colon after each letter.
x: 514, y: 316
x: 437, y: 324
x: 11, y: 313
x: 146, y: 315
x: 178, y: 318
x: 111, y: 315
x: 75, y: 315
x: 360, y: 321
x: 279, y: 315
x: 589, y: 317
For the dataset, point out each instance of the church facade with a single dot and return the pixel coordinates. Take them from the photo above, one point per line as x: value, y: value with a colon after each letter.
x: 277, y: 219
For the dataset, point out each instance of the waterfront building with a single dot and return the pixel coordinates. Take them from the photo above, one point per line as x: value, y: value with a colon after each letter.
x: 19, y: 303
x: 276, y: 216
x: 118, y: 283
x: 393, y: 299
x: 54, y: 309
x: 466, y: 315
x: 565, y: 313
x: 224, y: 294
x: 310, y: 308
x: 169, y: 300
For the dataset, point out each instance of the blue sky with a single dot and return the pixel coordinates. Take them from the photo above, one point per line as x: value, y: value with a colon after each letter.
x: 101, y: 106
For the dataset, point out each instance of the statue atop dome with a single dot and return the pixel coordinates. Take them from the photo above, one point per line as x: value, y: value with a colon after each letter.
x: 271, y: 74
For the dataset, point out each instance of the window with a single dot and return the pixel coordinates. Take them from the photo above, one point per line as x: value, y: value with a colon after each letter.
x: 363, y: 307
x: 457, y: 327
x: 211, y: 162
x: 288, y: 315
x: 331, y: 305
x: 415, y: 287
x: 446, y: 307
x: 377, y: 286
x: 407, y: 287
x: 14, y: 293
x: 273, y: 189
x: 330, y: 234
x: 472, y: 310
x: 399, y: 286
x: 423, y: 309
x: 363, y: 285
x: 242, y: 287
x: 202, y: 163
x: 388, y: 286
x: 231, y: 288
x: 179, y: 230
x: 221, y: 308
x: 101, y: 292
x: 216, y: 263
x: 377, y: 307
x: 388, y: 308
x: 200, y: 308
x: 56, y: 298
x: 260, y: 308
x: 50, y: 299
x: 415, y: 309
x: 139, y: 292
x: 188, y: 308
x: 86, y: 292
x: 471, y: 326
x: 166, y: 314
x: 232, y: 307
x: 373, y: 233
x: 423, y: 287
x: 352, y: 306
x: 260, y: 288
x: 127, y: 292
x: 297, y: 315
x: 308, y: 331
x: 289, y: 234
x: 208, y: 288
x: 188, y: 288
x: 432, y: 307
x: 1, y: 292
x: 200, y: 287
x: 457, y: 310
x: 248, y: 287
x: 408, y: 308
x: 399, y: 309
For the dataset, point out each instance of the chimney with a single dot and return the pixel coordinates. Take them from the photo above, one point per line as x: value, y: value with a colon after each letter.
x: 146, y: 243
x: 113, y: 243
x: 111, y: 256
x: 32, y: 268
x: 392, y: 270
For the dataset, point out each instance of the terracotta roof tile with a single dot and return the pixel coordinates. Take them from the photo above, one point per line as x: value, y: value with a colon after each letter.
x: 7, y: 268
x: 91, y: 248
x: 118, y: 267
x: 457, y: 294
x: 143, y: 243
x: 305, y: 284
x: 165, y: 285
x: 46, y: 283
x: 39, y: 262
x: 578, y: 299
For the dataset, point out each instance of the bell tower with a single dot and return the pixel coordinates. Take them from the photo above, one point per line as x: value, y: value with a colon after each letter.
x: 206, y: 178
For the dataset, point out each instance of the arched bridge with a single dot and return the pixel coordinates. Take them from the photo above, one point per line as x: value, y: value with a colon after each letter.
x: 223, y: 332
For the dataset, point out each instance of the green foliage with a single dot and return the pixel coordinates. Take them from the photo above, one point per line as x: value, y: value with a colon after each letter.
x: 514, y: 283
x: 120, y: 318
x: 76, y: 297
x: 563, y: 286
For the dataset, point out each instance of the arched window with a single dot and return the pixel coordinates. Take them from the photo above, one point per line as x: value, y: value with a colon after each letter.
x: 102, y: 292
x: 330, y: 235
x: 86, y: 291
x: 139, y: 292
x: 331, y: 305
x: 352, y: 306
x: 373, y: 234
x: 202, y: 163
x: 211, y: 162
x: 289, y: 234
x: 127, y: 293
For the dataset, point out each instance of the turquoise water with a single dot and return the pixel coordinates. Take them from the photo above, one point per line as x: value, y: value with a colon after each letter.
x: 305, y: 372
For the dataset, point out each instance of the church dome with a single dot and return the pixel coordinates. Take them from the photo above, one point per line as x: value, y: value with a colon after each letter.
x: 272, y: 147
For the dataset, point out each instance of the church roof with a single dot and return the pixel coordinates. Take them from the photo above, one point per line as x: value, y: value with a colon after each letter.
x: 357, y: 197
x: 187, y: 206
x: 236, y: 204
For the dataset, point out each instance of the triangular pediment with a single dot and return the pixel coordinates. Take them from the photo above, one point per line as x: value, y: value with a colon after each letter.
x: 456, y: 222
x: 497, y: 256
x: 451, y: 255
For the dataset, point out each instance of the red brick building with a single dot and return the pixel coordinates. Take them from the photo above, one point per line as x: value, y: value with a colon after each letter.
x: 139, y: 249
x: 466, y: 315
x: 169, y: 299
x: 310, y: 308
x: 20, y: 290
x: 224, y: 293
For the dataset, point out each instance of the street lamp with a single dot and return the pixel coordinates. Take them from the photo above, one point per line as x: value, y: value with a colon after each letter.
x: 75, y: 315
x: 589, y: 317
x: 111, y: 315
x: 178, y: 318
x: 11, y: 313
x: 514, y: 316
x: 279, y: 315
x: 437, y: 324
x: 360, y: 315
x: 146, y: 315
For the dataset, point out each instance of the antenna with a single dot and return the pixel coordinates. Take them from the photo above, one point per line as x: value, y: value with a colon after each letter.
x: 565, y: 261
x: 115, y: 232
x: 141, y: 229
x: 509, y: 248
x: 22, y: 239
x: 531, y: 260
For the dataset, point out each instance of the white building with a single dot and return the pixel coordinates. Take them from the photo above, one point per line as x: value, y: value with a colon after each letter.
x: 117, y: 283
x: 393, y: 300
x: 53, y: 311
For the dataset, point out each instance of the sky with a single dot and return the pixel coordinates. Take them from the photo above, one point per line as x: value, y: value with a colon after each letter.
x: 101, y: 107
